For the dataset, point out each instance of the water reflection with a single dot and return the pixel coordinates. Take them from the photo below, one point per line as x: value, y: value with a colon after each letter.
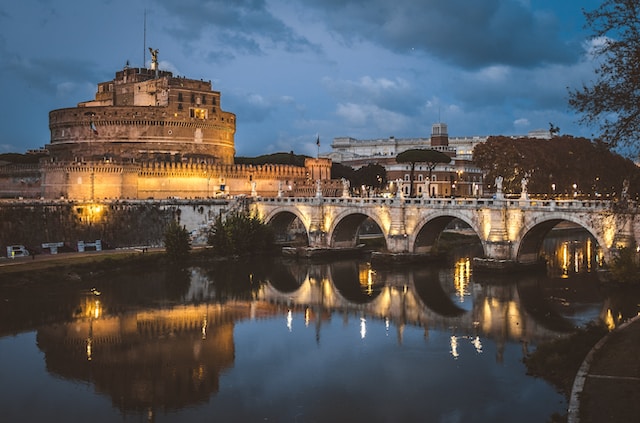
x: 156, y: 341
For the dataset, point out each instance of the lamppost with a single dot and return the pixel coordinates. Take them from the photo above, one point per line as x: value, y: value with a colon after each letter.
x: 553, y: 190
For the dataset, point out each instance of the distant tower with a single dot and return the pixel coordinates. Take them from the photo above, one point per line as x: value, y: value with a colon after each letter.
x: 439, y: 134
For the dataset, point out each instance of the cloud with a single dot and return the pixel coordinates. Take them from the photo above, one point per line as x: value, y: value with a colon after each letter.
x: 236, y: 27
x: 469, y: 34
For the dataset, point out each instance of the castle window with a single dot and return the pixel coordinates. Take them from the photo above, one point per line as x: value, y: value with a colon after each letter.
x: 180, y: 106
x: 213, y: 101
x: 179, y: 96
x: 204, y: 99
x: 213, y: 110
x: 198, y: 113
x: 193, y: 98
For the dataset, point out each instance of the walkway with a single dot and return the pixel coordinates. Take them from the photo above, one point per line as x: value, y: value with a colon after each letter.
x: 607, y: 386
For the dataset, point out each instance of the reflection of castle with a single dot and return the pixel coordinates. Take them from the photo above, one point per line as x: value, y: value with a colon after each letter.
x: 151, y: 359
x: 149, y: 134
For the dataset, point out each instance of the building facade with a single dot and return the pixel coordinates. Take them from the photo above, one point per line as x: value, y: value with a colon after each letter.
x: 458, y: 177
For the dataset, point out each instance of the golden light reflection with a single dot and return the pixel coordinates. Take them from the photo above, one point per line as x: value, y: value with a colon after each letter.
x: 365, y: 277
x: 307, y: 316
x: 204, y: 328
x: 461, y: 278
x: 608, y: 321
x: 363, y: 328
x: 453, y: 341
x: 564, y: 251
x: 89, y: 348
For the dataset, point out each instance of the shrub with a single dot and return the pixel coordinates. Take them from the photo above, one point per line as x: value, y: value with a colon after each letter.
x: 176, y: 242
x: 240, y: 233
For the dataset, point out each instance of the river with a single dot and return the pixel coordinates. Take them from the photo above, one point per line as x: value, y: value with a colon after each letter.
x: 297, y: 341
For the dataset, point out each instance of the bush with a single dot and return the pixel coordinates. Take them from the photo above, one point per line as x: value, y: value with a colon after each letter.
x: 240, y: 233
x: 176, y: 242
x: 625, y: 268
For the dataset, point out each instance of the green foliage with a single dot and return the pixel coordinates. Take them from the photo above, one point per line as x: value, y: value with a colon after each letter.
x: 176, y: 242
x: 611, y: 102
x: 275, y: 158
x: 339, y: 171
x: 625, y: 268
x: 240, y: 233
x: 371, y: 175
x: 562, y: 160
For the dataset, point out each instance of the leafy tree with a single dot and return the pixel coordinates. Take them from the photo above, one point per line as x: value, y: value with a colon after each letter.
x: 240, y: 233
x: 372, y: 175
x: 430, y: 157
x: 625, y: 268
x: 275, y: 158
x: 612, y: 102
x: 561, y: 161
x: 338, y: 171
x: 176, y: 242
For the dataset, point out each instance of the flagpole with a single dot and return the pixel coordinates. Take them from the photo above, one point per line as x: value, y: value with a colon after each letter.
x: 318, y: 145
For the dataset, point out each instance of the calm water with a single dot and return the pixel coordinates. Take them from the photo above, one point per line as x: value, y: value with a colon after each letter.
x: 295, y: 342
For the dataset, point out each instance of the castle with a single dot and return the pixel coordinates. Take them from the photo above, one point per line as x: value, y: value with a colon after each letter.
x: 150, y: 134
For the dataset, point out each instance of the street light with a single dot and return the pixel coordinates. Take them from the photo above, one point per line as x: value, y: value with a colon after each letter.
x: 553, y: 189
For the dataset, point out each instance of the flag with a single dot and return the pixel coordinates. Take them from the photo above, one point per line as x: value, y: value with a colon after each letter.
x: 93, y: 127
x: 318, y: 141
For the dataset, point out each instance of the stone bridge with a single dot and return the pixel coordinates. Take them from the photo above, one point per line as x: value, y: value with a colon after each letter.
x: 510, y: 230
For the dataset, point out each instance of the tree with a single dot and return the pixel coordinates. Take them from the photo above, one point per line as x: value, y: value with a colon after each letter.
x: 176, y: 242
x: 240, y: 233
x: 612, y: 102
x: 560, y: 162
x: 430, y: 157
x: 371, y: 175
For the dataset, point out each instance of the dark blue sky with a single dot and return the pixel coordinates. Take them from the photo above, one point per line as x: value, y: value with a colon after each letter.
x: 295, y: 69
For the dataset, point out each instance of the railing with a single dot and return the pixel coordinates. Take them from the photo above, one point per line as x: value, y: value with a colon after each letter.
x: 441, y: 202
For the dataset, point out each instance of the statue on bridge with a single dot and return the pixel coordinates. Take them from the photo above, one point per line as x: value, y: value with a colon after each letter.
x: 499, y: 194
x: 524, y: 182
x: 345, y: 188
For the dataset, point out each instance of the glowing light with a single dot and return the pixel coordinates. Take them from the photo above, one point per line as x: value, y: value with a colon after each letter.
x: 96, y: 310
x: 365, y: 277
x: 477, y: 344
x: 307, y: 316
x: 204, y: 328
x: 89, y: 348
x: 289, y: 320
x: 609, y: 321
x: 363, y: 328
x: 461, y: 278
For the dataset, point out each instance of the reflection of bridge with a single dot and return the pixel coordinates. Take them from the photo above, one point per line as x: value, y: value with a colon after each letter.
x: 423, y: 297
x: 511, y: 230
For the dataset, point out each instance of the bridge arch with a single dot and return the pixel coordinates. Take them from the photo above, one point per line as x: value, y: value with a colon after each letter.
x: 280, y: 220
x: 529, y: 241
x: 345, y: 225
x: 429, y: 229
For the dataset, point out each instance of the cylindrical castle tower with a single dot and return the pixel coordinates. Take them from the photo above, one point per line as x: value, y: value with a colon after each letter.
x: 144, y: 115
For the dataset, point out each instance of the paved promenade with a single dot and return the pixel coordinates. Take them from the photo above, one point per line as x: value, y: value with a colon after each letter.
x: 607, y: 386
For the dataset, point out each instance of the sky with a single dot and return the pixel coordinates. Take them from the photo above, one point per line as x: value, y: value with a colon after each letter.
x: 296, y: 70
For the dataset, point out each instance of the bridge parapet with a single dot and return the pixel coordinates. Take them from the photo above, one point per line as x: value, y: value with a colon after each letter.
x: 471, y: 202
